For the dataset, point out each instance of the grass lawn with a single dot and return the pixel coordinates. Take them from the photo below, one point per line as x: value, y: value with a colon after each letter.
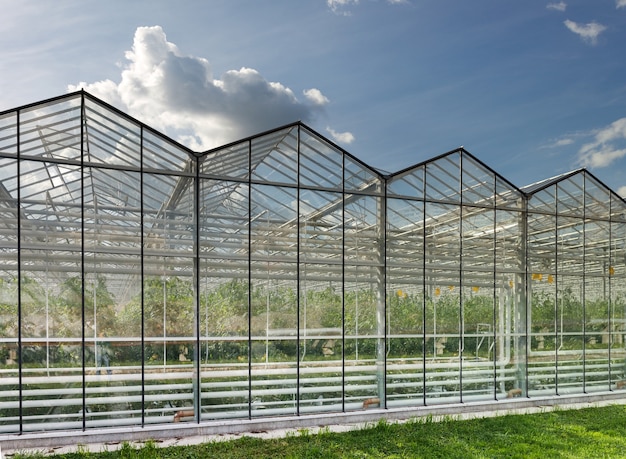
x: 584, y: 433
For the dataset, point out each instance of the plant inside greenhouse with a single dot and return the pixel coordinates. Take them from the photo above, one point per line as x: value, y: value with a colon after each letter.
x: 142, y: 282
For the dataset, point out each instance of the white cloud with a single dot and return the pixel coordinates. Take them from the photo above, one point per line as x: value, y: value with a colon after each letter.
x: 315, y: 96
x: 563, y: 142
x: 622, y: 191
x: 609, y: 144
x: 179, y: 95
x: 561, y: 6
x: 340, y: 6
x: 620, y: 3
x: 588, y: 32
x: 345, y: 138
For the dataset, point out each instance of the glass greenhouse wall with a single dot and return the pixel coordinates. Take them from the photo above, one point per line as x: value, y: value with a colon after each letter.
x: 144, y: 283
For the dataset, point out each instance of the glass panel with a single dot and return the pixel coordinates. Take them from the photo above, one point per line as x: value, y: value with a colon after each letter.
x: 478, y: 246
x: 570, y: 195
x: 274, y: 346
x: 410, y: 184
x: 443, y: 311
x: 321, y: 223
x: 274, y: 233
x: 51, y: 295
x: 9, y: 371
x: 596, y: 322
x: 321, y: 165
x: 275, y: 157
x: 229, y: 162
x: 8, y: 134
x: 570, y: 323
x: 443, y: 178
x: 597, y: 199
x: 362, y: 231
x: 112, y: 239
x: 358, y: 177
x: 543, y: 282
x: 570, y: 313
x: 364, y: 340
x: 478, y: 324
x: 111, y: 139
x: 443, y: 333
x: 168, y: 308
x: 443, y: 242
x: 509, y: 260
x: 161, y: 153
x: 321, y: 364
x: 617, y: 289
x: 478, y: 183
x: 543, y: 201
x: 52, y: 131
x: 507, y: 196
x: 224, y: 347
x: 223, y: 304
x: 477, y: 347
x: 405, y: 303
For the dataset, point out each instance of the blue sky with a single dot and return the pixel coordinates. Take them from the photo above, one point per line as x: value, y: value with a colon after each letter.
x: 533, y: 88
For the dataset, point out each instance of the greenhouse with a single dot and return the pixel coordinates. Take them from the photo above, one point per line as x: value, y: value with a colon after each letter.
x: 144, y: 283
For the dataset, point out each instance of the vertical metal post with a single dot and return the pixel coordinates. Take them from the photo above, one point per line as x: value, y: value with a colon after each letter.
x: 197, y: 394
x: 584, y: 283
x: 250, y: 279
x: 142, y: 279
x: 298, y: 287
x: 461, y: 282
x: 495, y: 298
x: 521, y: 320
x: 83, y: 120
x: 424, y: 296
x: 343, y: 282
x: 381, y: 291
x: 19, y: 274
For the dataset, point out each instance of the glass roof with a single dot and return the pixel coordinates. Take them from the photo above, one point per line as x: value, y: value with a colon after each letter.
x: 138, y: 186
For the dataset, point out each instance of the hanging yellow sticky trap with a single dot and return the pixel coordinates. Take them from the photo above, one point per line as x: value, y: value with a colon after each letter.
x: 550, y: 279
x: 437, y: 291
x: 400, y: 293
x: 450, y: 287
x: 611, y: 271
x: 511, y: 284
x: 475, y: 289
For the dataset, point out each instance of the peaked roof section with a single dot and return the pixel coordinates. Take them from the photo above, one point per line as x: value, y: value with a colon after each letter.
x: 455, y: 176
x: 272, y: 156
x: 578, y: 192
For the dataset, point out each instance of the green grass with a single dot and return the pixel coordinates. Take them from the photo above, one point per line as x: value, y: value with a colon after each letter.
x: 584, y: 433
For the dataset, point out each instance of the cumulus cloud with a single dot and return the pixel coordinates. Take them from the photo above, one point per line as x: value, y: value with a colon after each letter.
x: 561, y: 6
x: 345, y: 138
x: 621, y: 3
x: 315, y: 96
x: 622, y: 191
x: 179, y: 95
x: 588, y: 32
x: 609, y: 145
